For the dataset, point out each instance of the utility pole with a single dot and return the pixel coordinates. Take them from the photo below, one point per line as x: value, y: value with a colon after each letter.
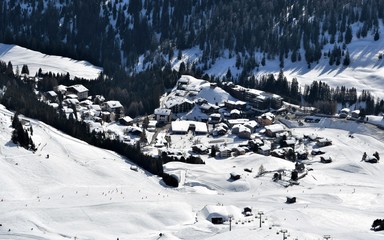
x: 230, y: 222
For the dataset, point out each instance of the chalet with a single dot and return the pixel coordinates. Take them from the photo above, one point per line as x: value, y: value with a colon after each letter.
x: 225, y: 152
x: 344, y: 113
x: 50, y: 96
x: 105, y: 116
x: 127, y: 121
x: 317, y: 152
x: 79, y: 90
x: 244, y: 132
x: 60, y: 89
x: 322, y: 142
x: 96, y: 108
x: 163, y: 115
x: 252, y: 125
x: 219, y: 130
x: 179, y: 104
x: 115, y: 108
x: 355, y: 114
x: 254, y: 144
x: 235, y: 129
x: 70, y: 102
x: 302, y: 154
x: 214, y: 118
x: 274, y: 129
x: 86, y: 103
x: 200, y: 149
x: 235, y: 113
x: 218, y: 214
x: 288, y: 143
x: 239, y: 121
x: 237, y: 151
x: 325, y: 159
x: 264, y: 150
x: 266, y: 119
x: 234, y: 176
x: 99, y: 99
x: 182, y: 83
x: 279, y: 153
x: 247, y: 211
x: 240, y: 105
x: 208, y: 108
x: 290, y: 200
x: 133, y: 130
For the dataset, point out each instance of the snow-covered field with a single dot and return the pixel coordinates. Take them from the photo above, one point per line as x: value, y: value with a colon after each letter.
x: 48, y: 63
x: 84, y: 192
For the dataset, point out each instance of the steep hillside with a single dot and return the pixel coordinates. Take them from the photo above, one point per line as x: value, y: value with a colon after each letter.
x: 120, y: 32
x: 82, y: 192
x: 20, y: 56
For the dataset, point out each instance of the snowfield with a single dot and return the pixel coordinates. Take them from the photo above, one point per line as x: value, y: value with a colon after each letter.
x: 366, y: 71
x: 48, y: 63
x: 82, y: 192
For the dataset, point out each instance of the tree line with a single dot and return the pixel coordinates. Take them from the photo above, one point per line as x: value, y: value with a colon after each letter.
x: 20, y: 97
x: 122, y: 31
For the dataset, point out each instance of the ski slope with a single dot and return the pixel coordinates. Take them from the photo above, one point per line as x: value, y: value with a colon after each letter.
x: 84, y: 192
x: 19, y: 56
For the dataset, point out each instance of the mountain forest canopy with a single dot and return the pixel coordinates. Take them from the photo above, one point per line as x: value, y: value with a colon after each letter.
x: 115, y: 33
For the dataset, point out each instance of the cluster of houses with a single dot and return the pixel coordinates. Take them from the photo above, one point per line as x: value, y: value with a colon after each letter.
x: 75, y: 100
x: 184, y: 98
x: 257, y: 131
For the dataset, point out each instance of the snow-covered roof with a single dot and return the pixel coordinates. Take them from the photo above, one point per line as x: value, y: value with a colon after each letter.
x: 113, y: 104
x: 235, y: 111
x: 52, y: 93
x: 224, y: 212
x: 79, y: 88
x: 162, y: 111
x: 183, y: 126
x: 233, y: 122
x: 243, y: 128
x: 72, y: 96
x: 345, y: 110
x: 238, y: 102
x: 251, y: 124
x: 275, y: 128
x: 176, y: 101
x: 61, y: 88
x: 95, y: 107
x: 127, y: 119
x: 86, y: 102
x: 268, y: 115
x: 265, y: 147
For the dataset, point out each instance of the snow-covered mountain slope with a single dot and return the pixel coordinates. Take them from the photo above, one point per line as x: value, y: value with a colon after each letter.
x: 365, y: 72
x: 19, y: 56
x: 89, y: 193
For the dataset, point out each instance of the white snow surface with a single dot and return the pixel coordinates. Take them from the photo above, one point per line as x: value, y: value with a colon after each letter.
x: 48, y: 63
x: 366, y: 71
x: 89, y: 193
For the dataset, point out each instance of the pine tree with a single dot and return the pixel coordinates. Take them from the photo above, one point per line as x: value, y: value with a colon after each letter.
x: 348, y: 35
x: 377, y: 36
x: 347, y: 59
x: 25, y: 70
